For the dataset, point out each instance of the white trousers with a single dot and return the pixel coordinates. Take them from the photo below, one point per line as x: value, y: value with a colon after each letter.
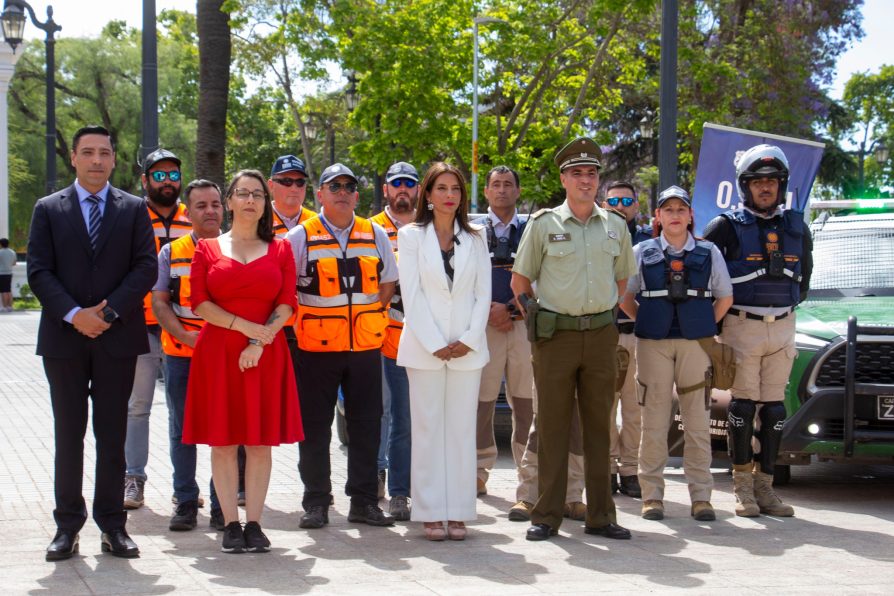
x: 443, y: 406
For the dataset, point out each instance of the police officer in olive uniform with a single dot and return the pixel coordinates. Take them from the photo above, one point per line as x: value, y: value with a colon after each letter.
x: 580, y: 256
x: 767, y: 249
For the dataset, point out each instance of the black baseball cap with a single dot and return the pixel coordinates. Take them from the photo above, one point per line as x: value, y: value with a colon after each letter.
x: 157, y: 156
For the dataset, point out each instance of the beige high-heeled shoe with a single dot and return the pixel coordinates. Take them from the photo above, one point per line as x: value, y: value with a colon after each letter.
x: 456, y: 530
x: 435, y: 531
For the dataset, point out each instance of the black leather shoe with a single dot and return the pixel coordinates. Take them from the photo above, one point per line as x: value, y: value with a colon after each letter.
x: 315, y: 517
x: 614, y: 478
x: 119, y: 544
x: 630, y: 486
x: 540, y: 532
x: 63, y: 546
x: 370, y: 514
x: 613, y: 531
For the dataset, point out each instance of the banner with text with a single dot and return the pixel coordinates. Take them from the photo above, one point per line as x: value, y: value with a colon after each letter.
x: 715, y: 180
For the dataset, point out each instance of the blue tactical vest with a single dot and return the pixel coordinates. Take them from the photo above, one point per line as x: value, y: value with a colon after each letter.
x: 501, y: 268
x: 660, y: 318
x: 639, y: 234
x: 750, y: 273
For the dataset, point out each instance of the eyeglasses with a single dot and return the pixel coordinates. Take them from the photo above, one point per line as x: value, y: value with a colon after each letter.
x: 244, y: 193
x: 626, y: 201
x: 396, y: 183
x: 298, y: 182
x: 159, y: 176
x: 337, y: 186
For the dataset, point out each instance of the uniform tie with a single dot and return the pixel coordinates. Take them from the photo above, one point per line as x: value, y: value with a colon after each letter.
x: 95, y: 220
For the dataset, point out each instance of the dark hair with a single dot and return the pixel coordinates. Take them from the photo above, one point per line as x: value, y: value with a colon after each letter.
x: 656, y: 225
x: 4, y: 242
x: 265, y: 224
x: 620, y: 184
x: 200, y: 183
x: 91, y: 129
x: 500, y: 170
x: 423, y: 215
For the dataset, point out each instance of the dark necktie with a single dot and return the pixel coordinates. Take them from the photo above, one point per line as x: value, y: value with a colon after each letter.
x: 95, y: 220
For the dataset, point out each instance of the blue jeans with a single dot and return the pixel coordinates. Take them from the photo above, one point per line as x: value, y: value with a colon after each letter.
x: 397, y: 409
x: 136, y: 445
x: 183, y: 457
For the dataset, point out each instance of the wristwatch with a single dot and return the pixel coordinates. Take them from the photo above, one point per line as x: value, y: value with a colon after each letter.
x: 108, y: 314
x: 256, y: 342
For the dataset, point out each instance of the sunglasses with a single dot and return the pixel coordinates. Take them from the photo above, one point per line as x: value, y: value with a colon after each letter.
x: 298, y: 182
x: 244, y: 193
x: 626, y: 201
x: 160, y: 176
x: 397, y: 182
x: 337, y: 186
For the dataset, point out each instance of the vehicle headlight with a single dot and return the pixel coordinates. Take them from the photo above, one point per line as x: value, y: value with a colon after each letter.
x: 804, y: 342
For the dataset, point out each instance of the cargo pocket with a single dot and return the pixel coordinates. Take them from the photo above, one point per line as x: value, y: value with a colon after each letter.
x: 327, y: 273
x: 641, y: 390
x: 319, y: 333
x: 369, y: 329
x: 369, y: 274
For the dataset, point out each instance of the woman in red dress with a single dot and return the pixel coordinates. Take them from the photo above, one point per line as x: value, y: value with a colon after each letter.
x: 241, y: 385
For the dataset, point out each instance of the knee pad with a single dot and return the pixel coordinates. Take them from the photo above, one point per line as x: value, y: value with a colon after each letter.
x: 772, y: 417
x: 740, y: 429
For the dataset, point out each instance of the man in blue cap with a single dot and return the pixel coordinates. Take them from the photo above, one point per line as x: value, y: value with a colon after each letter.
x: 288, y: 185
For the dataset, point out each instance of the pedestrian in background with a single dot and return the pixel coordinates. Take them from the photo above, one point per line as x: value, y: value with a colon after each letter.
x: 7, y: 262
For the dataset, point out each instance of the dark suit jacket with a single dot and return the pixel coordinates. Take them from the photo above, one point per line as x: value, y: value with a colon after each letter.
x: 65, y: 272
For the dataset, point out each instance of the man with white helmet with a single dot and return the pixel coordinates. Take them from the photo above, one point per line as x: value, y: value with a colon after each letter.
x: 767, y: 249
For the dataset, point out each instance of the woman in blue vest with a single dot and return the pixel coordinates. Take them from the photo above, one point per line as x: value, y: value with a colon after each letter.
x: 680, y: 292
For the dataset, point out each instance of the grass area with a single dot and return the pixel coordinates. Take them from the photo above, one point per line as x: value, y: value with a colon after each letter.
x: 25, y: 303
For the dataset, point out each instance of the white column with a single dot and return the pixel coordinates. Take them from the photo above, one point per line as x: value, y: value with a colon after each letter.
x: 7, y: 67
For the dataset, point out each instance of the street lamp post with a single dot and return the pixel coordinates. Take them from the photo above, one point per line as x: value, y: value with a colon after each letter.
x: 475, y: 22
x: 13, y: 23
x: 879, y: 150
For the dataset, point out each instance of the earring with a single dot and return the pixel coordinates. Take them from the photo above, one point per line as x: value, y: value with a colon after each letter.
x: 431, y: 207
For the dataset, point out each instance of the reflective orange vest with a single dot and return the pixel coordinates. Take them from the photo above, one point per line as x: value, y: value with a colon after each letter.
x: 280, y: 230
x: 179, y: 226
x: 339, y: 310
x: 396, y: 308
x: 182, y: 251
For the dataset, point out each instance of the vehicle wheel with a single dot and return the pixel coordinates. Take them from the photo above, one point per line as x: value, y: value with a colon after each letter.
x: 341, y: 427
x: 782, y: 475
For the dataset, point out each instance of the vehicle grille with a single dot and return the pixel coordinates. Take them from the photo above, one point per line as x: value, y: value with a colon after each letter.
x: 875, y: 364
x: 833, y: 430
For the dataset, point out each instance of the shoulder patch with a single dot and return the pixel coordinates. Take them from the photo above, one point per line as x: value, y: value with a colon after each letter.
x: 652, y: 255
x: 616, y: 212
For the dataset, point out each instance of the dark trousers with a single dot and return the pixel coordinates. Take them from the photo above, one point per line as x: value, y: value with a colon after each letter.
x: 319, y: 376
x: 108, y: 382
x: 569, y: 362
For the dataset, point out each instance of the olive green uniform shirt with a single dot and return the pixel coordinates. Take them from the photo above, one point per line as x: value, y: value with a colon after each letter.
x: 576, y: 265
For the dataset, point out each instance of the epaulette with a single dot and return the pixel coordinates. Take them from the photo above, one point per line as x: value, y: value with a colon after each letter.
x: 540, y: 212
x: 616, y: 212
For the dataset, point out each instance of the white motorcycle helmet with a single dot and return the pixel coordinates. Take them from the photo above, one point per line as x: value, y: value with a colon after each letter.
x: 761, y: 161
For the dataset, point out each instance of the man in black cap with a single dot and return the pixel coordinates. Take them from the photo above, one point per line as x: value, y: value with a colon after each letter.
x: 346, y: 277
x: 161, y: 181
x: 288, y: 185
x: 580, y: 257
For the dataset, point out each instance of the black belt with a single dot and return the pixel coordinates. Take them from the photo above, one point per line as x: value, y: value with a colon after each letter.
x: 626, y: 328
x: 750, y: 315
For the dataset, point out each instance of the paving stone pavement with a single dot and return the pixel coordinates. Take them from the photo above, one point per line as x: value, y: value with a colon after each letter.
x: 842, y: 540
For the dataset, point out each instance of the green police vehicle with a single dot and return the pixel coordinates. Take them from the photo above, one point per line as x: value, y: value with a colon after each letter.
x: 840, y: 396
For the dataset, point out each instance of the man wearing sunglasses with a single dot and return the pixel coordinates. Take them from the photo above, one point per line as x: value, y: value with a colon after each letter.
x: 288, y: 184
x: 400, y: 190
x: 161, y: 182
x: 624, y: 450
x: 346, y: 278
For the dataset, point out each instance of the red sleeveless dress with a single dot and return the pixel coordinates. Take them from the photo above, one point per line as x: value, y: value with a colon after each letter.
x: 223, y: 405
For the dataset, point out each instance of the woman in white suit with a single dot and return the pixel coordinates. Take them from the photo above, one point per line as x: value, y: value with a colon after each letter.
x: 445, y: 285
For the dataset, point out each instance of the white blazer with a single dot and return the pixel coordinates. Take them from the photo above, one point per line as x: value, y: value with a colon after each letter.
x: 435, y: 314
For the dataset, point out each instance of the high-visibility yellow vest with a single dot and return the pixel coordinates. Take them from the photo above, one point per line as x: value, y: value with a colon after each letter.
x: 182, y: 251
x: 396, y: 308
x: 179, y: 226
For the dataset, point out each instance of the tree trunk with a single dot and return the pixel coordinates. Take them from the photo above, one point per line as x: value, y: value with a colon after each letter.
x: 214, y: 85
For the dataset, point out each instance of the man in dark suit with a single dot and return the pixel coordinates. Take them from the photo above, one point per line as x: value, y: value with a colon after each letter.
x: 91, y: 259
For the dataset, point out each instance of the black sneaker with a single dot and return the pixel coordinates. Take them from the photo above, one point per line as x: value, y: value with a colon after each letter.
x: 255, y: 540
x: 233, y: 540
x: 184, y: 517
x: 369, y: 514
x: 316, y: 516
x: 217, y: 520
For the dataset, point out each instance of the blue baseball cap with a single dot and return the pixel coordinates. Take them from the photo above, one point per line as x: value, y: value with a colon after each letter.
x: 336, y: 170
x: 287, y: 163
x: 674, y: 192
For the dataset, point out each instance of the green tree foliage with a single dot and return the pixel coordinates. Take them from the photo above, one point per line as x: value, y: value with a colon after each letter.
x: 869, y: 101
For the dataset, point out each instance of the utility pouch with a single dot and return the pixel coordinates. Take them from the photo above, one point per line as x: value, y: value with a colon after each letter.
x: 545, y: 324
x: 723, y: 362
x: 531, y: 309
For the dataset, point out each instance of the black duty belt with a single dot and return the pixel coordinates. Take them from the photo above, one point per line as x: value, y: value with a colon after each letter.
x: 626, y: 328
x: 750, y: 315
x: 585, y: 322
